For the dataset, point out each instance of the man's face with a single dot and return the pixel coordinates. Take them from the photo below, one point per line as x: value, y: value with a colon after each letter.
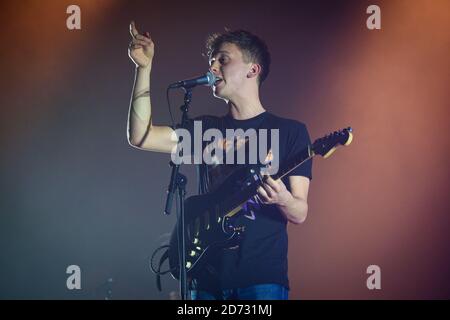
x: 229, y: 66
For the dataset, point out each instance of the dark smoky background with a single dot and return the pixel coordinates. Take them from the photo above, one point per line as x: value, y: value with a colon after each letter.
x: 73, y: 192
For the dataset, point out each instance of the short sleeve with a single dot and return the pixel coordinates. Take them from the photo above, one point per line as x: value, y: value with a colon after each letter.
x: 297, y: 141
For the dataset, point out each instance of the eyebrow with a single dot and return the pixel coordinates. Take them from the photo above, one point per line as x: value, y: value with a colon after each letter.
x: 222, y: 51
x: 216, y: 53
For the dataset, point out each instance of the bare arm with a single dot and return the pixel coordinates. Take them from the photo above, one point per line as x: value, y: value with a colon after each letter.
x: 296, y: 209
x: 141, y: 132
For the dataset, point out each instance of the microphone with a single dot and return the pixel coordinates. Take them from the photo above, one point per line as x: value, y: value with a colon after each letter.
x: 207, y: 80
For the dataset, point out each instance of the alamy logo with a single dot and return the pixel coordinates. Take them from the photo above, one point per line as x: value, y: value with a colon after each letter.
x: 229, y: 149
x: 374, y: 20
x: 74, y: 280
x: 73, y: 22
x: 374, y: 280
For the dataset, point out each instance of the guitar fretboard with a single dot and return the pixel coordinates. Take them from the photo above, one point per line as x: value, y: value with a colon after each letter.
x: 301, y: 157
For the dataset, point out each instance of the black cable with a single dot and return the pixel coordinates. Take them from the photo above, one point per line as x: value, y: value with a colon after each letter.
x: 157, y: 271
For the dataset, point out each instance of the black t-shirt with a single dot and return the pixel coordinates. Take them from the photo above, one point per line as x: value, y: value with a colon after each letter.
x: 262, y: 254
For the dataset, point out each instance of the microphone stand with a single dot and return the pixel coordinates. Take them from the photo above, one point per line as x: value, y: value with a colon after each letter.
x: 178, y: 182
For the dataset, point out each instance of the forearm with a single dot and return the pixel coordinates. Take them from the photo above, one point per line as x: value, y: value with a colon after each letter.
x: 139, y: 117
x: 294, y: 210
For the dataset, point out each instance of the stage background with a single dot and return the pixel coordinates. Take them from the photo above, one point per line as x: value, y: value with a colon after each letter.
x: 74, y: 192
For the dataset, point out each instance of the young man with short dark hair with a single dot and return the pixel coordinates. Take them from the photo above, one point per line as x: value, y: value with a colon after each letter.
x: 257, y: 267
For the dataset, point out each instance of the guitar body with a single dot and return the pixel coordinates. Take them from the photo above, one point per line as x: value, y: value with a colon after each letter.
x: 210, y: 219
x: 207, y: 229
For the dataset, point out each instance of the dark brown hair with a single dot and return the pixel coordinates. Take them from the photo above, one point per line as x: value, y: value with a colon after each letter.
x: 253, y: 48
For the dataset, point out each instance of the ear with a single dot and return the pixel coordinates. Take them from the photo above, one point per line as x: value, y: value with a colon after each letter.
x: 254, y: 71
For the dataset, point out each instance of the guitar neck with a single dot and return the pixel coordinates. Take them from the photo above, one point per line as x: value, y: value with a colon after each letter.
x: 304, y: 155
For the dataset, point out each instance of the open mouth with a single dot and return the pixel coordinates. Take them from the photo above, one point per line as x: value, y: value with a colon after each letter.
x: 218, y: 81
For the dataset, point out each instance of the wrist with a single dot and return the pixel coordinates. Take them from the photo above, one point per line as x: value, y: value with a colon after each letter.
x: 147, y: 68
x: 287, y: 200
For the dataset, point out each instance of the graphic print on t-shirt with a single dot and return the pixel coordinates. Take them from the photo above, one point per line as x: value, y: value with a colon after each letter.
x: 219, y: 171
x: 250, y: 207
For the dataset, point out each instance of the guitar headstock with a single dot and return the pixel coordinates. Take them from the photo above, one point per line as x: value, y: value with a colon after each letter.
x: 325, y: 146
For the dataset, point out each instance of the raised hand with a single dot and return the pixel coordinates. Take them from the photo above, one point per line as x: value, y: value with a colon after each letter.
x: 141, y: 49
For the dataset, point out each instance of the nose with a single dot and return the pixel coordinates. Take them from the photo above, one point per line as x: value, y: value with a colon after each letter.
x: 214, y: 69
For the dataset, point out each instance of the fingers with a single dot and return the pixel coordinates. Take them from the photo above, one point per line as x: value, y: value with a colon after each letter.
x: 275, y: 185
x: 136, y: 43
x: 270, y: 190
x: 263, y: 195
x: 135, y: 33
x: 140, y: 42
x: 268, y: 194
x: 133, y: 30
x: 143, y: 38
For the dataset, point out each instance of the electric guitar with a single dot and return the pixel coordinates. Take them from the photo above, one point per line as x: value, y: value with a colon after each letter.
x: 210, y: 218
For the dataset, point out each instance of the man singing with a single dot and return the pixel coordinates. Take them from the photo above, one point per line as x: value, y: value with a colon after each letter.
x: 257, y: 268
